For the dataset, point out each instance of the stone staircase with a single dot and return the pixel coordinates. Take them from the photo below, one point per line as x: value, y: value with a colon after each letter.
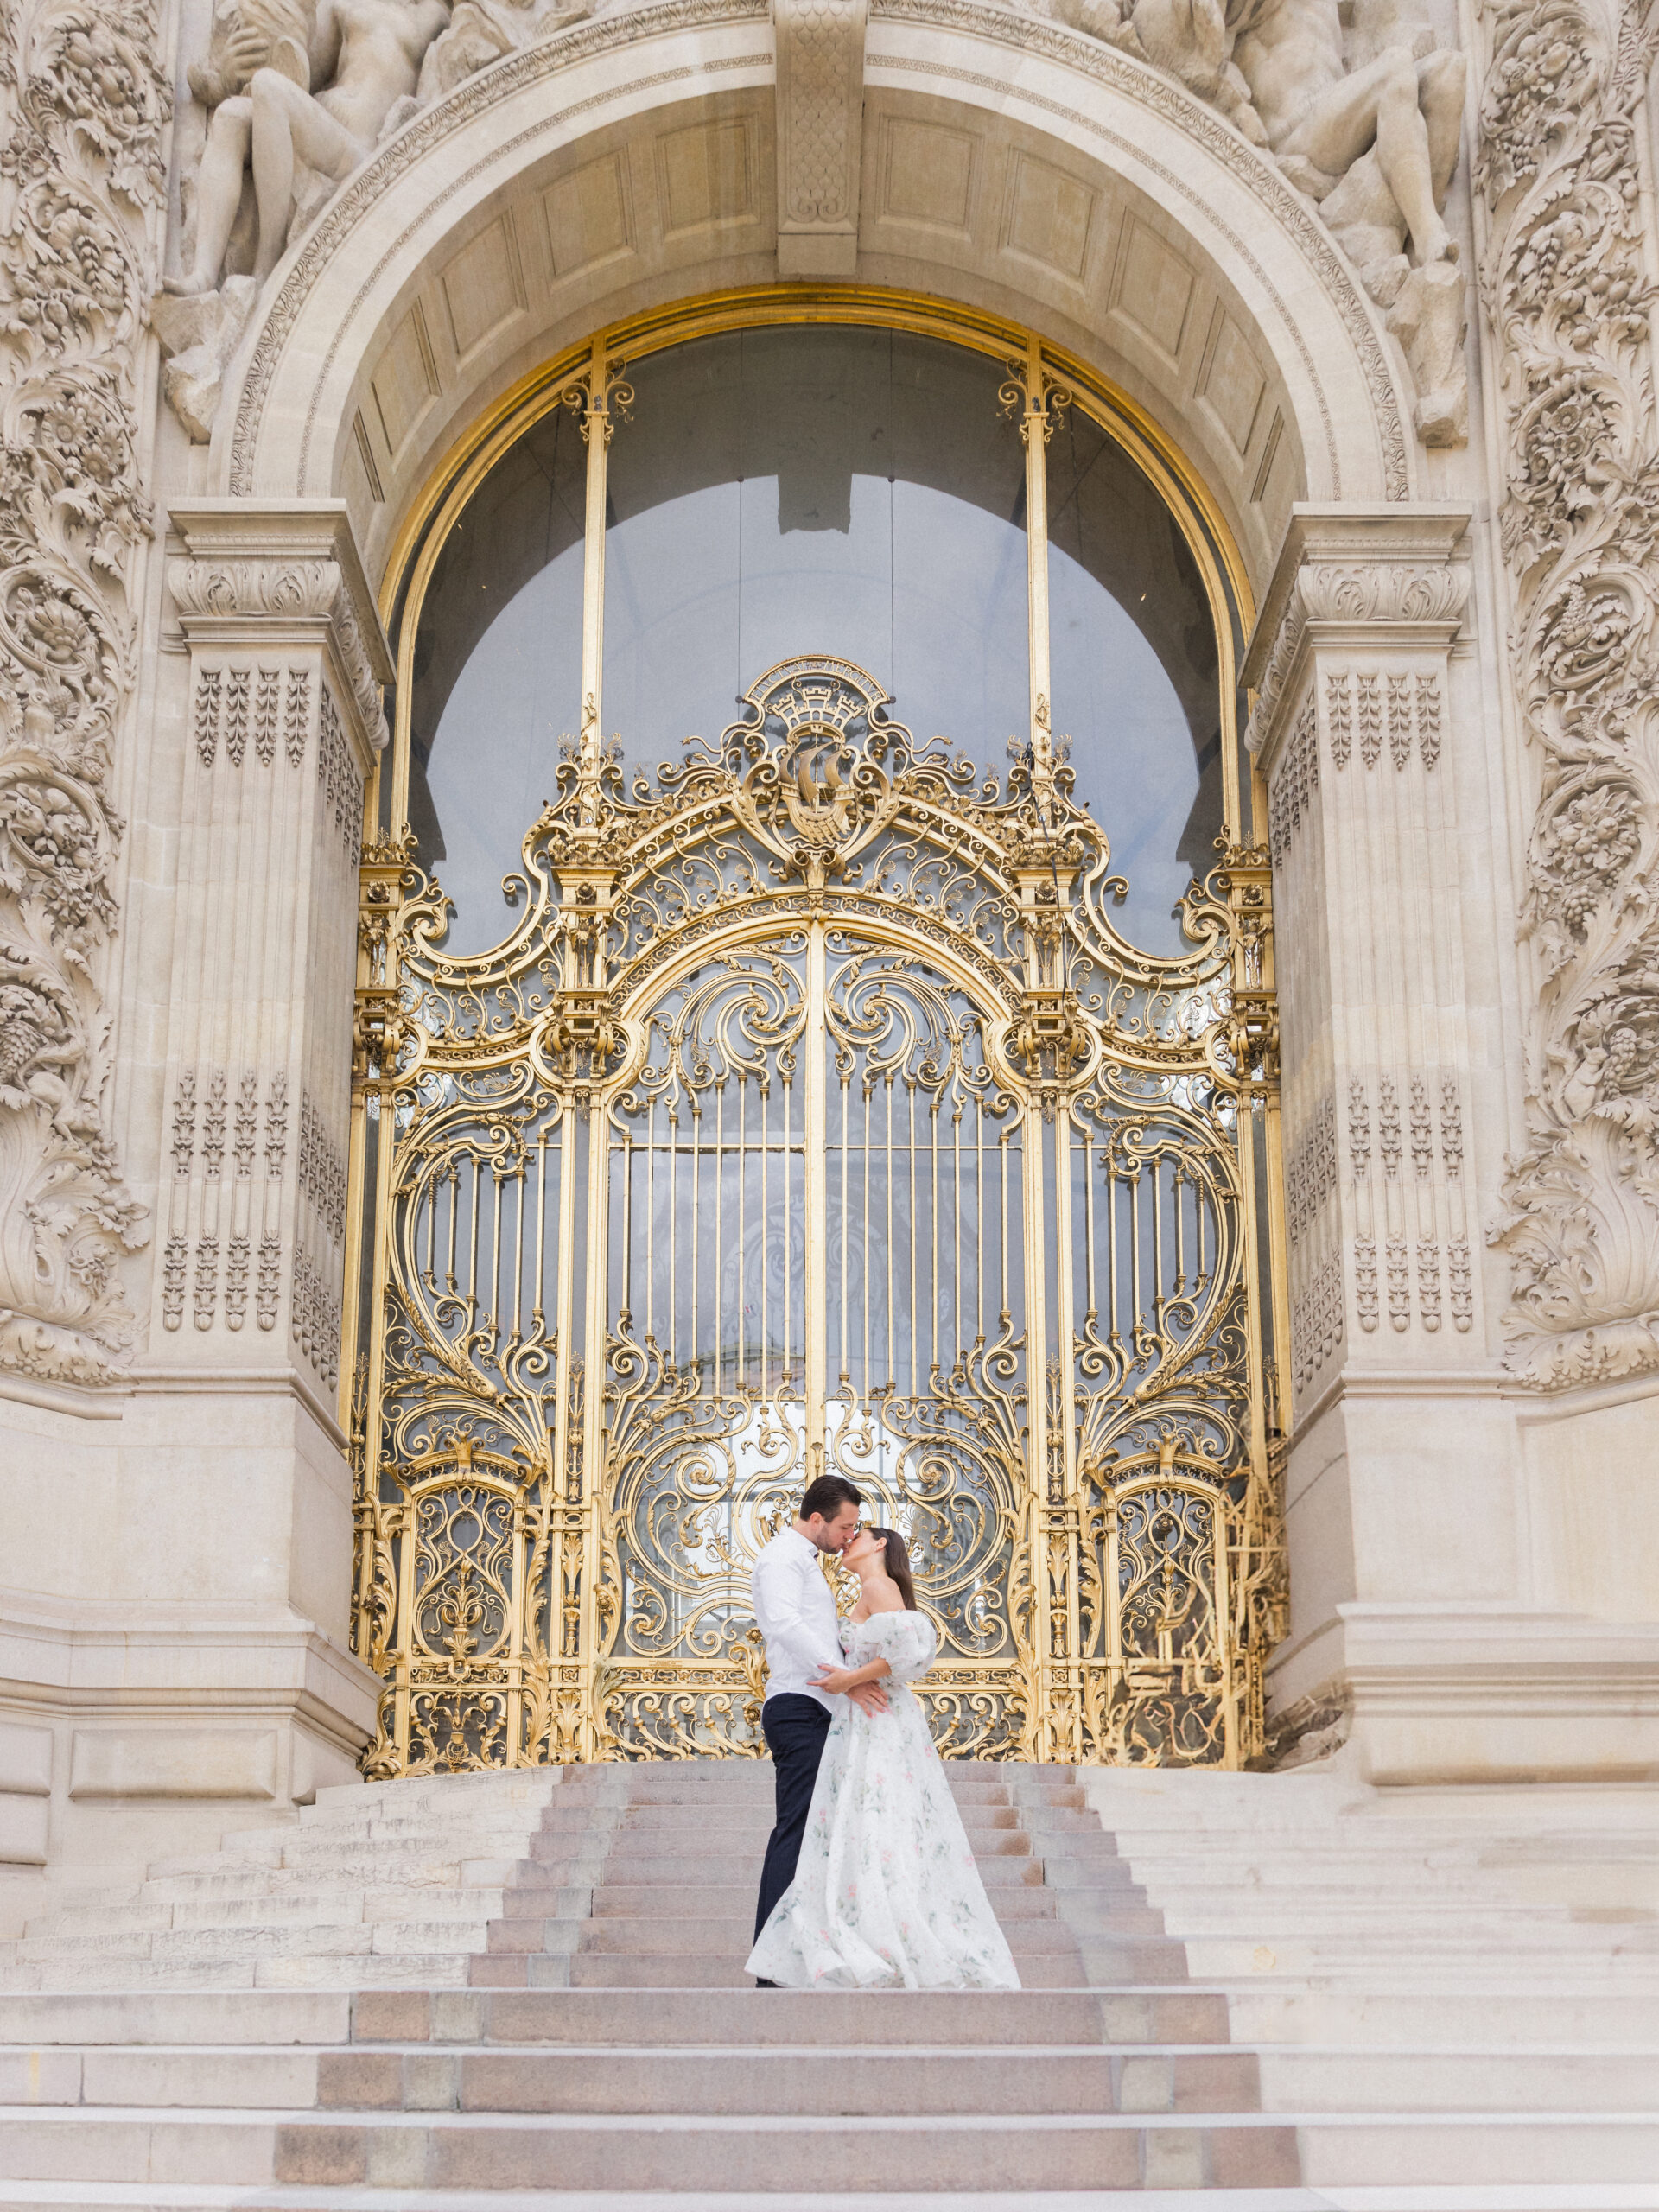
x: 1258, y: 1993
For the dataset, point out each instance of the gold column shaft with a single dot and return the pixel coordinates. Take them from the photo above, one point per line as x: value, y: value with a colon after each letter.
x: 1035, y: 428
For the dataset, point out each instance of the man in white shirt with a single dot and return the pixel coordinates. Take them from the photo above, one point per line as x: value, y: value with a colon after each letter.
x: 797, y: 1613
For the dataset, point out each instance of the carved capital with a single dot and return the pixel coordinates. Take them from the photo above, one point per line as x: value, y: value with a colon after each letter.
x: 820, y: 129
x: 1347, y: 578
x: 257, y: 574
x: 232, y: 591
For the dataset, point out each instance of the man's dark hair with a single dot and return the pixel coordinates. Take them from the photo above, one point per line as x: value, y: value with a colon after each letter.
x: 827, y: 1496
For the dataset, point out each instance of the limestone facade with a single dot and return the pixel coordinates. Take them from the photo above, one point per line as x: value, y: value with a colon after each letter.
x: 1445, y: 513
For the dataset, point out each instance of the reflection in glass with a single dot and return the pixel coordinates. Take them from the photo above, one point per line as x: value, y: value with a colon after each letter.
x: 498, y: 674
x: 815, y: 490
x: 1135, y: 679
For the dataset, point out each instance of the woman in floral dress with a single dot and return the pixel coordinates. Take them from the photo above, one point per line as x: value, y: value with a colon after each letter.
x: 886, y: 1895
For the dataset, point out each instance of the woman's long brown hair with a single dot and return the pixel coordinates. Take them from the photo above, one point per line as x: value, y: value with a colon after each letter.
x: 898, y: 1565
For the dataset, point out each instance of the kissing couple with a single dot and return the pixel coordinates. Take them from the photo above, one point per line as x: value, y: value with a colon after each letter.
x: 869, y: 1882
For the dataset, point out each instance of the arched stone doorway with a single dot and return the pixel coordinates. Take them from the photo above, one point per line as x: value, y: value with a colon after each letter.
x: 1096, y: 205
x: 831, y: 1100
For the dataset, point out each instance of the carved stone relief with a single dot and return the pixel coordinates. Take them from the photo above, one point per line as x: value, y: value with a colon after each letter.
x: 83, y: 111
x: 286, y: 660
x: 1317, y: 1292
x: 320, y: 1244
x: 1570, y: 297
x: 1361, y: 108
x: 1354, y: 595
x: 1295, y: 783
x: 296, y: 98
x: 1414, y: 1215
x: 223, y: 1222
x: 820, y: 128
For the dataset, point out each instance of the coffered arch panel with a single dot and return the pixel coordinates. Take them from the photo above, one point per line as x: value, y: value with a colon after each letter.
x: 1009, y: 165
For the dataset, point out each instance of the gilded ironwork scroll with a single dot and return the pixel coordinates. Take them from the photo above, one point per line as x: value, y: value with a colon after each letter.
x: 814, y: 1116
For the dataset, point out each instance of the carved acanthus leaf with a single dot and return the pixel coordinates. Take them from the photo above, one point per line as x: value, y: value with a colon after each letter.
x: 83, y: 107
x: 304, y: 590
x: 1401, y: 592
x: 297, y: 590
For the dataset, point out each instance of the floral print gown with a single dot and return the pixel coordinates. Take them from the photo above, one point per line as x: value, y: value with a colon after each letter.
x: 886, y: 1894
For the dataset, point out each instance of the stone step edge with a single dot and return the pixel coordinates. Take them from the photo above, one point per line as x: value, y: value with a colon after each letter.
x: 335, y: 2118
x: 119, y: 2196
x: 1258, y: 2048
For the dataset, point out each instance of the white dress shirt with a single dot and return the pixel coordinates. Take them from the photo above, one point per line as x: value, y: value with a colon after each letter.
x: 797, y: 1613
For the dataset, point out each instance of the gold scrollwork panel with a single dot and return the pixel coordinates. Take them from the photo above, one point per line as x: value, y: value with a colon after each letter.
x: 814, y: 1117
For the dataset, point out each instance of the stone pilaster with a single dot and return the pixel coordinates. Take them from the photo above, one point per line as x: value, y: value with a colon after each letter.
x: 1392, y: 1387
x: 1351, y: 729
x: 183, y: 1651
x: 286, y: 658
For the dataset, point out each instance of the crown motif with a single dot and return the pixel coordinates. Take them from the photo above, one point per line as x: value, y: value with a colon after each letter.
x: 816, y: 696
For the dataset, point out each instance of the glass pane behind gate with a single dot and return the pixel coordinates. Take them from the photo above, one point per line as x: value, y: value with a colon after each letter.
x: 925, y: 1293
x: 706, y: 1433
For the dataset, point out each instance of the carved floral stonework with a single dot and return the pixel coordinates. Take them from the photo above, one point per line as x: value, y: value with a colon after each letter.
x: 1570, y: 300
x: 83, y: 111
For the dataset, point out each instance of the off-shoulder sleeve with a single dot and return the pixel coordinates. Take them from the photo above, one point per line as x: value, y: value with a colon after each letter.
x: 908, y: 1644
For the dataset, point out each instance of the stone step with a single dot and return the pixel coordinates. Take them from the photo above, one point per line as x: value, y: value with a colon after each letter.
x: 840, y: 2019
x: 305, y: 1939
x: 112, y: 2197
x: 863, y: 2081
x: 686, y: 2153
x: 168, y: 2017
x: 1517, y: 1958
x: 626, y: 1898
x: 1419, y: 1920
x: 346, y: 1971
x: 866, y: 2080
x: 1384, y: 2017
x: 299, y: 1908
x: 719, y: 1818
x: 355, y: 1867
x: 748, y: 1844
x: 1439, y: 2079
x: 1001, y: 2151
x: 701, y: 1938
x: 998, y: 1871
x: 628, y: 1970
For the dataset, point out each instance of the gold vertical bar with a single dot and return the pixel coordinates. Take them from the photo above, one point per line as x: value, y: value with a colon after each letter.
x: 595, y: 1470
x: 1065, y: 1352
x: 596, y: 431
x: 911, y: 1088
x: 1236, y: 828
x: 720, y: 1227
x: 867, y: 1382
x: 1035, y: 1268
x: 380, y: 1259
x: 1034, y: 428
x: 564, y: 1337
x: 696, y: 1221
x: 846, y: 1148
x: 816, y: 1180
x: 933, y: 1231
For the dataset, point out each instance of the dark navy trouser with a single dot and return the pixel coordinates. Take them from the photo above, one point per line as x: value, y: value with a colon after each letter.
x: 794, y: 1728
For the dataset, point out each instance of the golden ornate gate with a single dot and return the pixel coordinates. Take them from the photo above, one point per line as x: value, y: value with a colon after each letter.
x: 813, y: 1115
